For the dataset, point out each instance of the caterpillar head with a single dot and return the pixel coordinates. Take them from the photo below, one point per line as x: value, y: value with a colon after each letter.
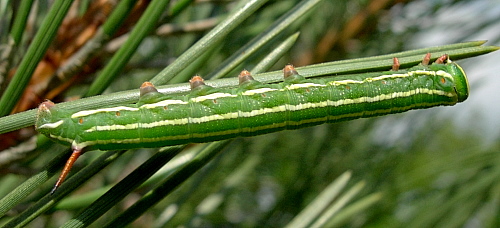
x: 461, y: 82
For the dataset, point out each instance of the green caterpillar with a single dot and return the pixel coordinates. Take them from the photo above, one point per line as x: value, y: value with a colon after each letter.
x: 211, y: 114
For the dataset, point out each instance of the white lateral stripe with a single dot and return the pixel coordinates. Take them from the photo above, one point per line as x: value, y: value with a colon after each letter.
x: 60, y: 138
x: 444, y: 74
x: 52, y: 125
x: 395, y: 75
x: 82, y: 145
x: 345, y: 82
x: 410, y: 74
x: 257, y: 91
x: 113, y: 127
x: 113, y: 109
x: 303, y: 85
x: 212, y: 97
x: 276, y: 109
x: 163, y: 103
x: 382, y: 77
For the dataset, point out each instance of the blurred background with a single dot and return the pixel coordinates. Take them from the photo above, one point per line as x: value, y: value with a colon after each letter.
x: 437, y: 167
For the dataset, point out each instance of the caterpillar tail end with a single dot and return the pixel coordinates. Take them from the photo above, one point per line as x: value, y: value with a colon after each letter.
x: 69, y: 164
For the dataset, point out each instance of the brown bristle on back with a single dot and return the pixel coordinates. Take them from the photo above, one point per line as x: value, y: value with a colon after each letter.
x: 147, y: 87
x: 289, y: 70
x: 245, y: 76
x: 196, y: 81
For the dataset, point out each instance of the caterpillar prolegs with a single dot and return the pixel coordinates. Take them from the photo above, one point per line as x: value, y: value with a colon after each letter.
x: 253, y: 108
